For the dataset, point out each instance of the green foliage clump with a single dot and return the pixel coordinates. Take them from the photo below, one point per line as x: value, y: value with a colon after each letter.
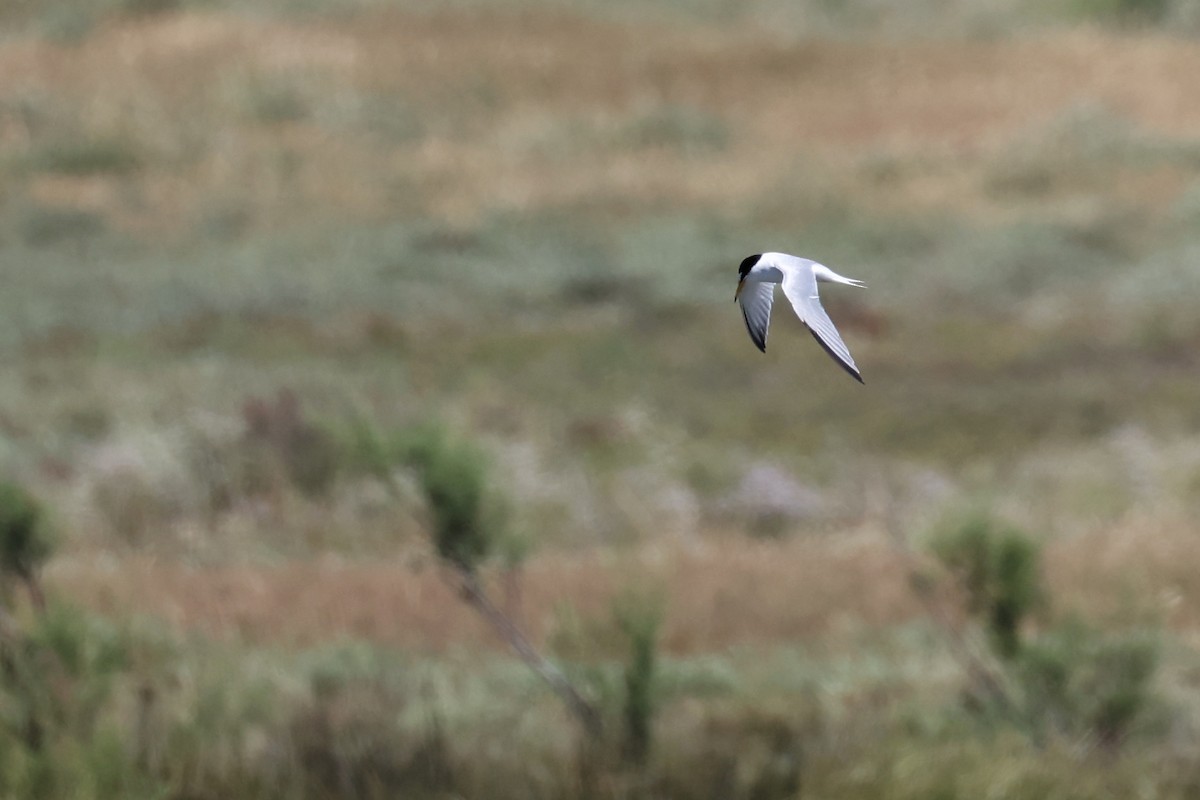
x: 1079, y: 681
x: 81, y: 645
x: 1069, y: 680
x: 464, y: 513
x: 640, y: 622
x: 997, y: 566
x: 25, y: 541
x: 58, y: 688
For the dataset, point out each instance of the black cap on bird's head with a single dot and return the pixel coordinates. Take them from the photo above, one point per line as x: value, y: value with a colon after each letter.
x: 748, y: 264
x: 743, y: 270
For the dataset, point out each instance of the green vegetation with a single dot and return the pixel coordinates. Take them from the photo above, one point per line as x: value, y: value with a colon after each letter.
x: 1088, y: 684
x: 1069, y: 680
x: 453, y: 481
x: 996, y: 566
x: 640, y: 624
x: 25, y: 540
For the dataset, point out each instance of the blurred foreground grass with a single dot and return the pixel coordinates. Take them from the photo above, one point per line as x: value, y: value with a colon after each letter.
x: 239, y: 246
x: 352, y: 719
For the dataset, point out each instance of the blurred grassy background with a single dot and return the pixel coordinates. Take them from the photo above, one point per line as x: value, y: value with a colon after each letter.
x: 233, y: 232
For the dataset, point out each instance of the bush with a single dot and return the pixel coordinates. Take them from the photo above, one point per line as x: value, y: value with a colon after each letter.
x: 57, y: 689
x: 465, y: 516
x: 640, y: 622
x: 25, y: 541
x: 997, y: 566
x: 1078, y: 681
x: 1071, y: 680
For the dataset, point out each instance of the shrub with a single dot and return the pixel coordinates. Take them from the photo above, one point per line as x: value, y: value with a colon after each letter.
x: 640, y: 622
x: 25, y: 541
x: 1071, y: 680
x: 57, y: 689
x: 465, y: 517
x: 467, y: 525
x: 1079, y: 681
x: 997, y: 567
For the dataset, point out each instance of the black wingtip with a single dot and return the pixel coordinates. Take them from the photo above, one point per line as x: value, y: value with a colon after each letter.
x: 851, y: 371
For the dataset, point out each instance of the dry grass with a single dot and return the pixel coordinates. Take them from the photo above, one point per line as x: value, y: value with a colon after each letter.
x: 719, y: 593
x: 517, y: 111
x: 1138, y: 570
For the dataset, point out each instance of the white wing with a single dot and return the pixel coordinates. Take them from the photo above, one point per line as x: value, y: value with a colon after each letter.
x: 756, y: 299
x: 800, y: 286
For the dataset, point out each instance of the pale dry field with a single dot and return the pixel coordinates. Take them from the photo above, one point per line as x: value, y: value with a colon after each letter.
x: 527, y: 111
x: 717, y: 592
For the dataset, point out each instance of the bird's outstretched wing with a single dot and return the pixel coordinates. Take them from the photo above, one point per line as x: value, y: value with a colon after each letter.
x: 800, y: 286
x: 756, y: 299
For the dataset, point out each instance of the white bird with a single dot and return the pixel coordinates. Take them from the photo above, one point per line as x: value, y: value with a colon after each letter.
x: 757, y: 277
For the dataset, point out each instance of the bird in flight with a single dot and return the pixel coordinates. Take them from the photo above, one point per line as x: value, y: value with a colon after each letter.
x: 757, y: 277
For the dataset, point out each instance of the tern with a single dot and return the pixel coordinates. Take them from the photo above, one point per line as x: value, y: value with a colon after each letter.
x: 757, y: 277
